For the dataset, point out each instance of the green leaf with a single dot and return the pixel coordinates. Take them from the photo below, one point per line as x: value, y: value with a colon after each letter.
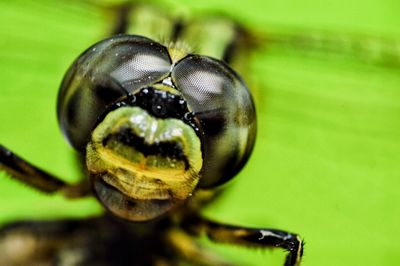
x: 326, y: 162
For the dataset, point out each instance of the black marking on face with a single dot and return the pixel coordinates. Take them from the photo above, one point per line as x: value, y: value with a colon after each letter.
x: 161, y: 104
x: 171, y: 150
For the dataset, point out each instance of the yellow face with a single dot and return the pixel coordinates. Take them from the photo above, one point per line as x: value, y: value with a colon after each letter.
x: 141, y: 165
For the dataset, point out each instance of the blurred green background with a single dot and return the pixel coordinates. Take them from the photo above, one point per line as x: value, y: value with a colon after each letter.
x: 326, y: 162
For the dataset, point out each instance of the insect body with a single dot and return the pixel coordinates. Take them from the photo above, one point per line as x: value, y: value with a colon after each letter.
x: 158, y: 126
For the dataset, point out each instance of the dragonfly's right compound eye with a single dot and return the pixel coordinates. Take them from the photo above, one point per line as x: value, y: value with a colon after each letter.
x: 223, y: 105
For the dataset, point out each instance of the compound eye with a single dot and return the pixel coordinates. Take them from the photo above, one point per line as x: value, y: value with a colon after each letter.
x: 131, y: 61
x: 225, y: 110
x: 104, y: 73
x: 135, y: 64
x: 205, y: 82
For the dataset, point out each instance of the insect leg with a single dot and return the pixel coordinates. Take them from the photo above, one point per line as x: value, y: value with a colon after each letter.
x: 29, y: 174
x: 121, y: 19
x: 250, y: 237
x: 185, y: 246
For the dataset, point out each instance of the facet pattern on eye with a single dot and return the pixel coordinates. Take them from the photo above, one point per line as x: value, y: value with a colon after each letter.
x: 132, y: 61
x: 202, y: 81
x: 223, y: 105
x: 204, y: 86
x: 106, y: 72
x: 141, y: 68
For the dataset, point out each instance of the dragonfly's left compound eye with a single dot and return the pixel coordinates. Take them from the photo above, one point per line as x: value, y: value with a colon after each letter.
x: 104, y: 73
x: 155, y: 123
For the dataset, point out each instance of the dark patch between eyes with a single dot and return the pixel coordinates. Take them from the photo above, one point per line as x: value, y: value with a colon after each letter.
x: 164, y: 149
x: 161, y: 104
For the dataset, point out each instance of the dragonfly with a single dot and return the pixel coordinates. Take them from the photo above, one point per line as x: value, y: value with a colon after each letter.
x: 313, y: 132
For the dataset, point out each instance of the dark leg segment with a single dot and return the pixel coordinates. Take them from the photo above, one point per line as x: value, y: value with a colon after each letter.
x: 250, y: 237
x: 122, y: 21
x: 29, y: 174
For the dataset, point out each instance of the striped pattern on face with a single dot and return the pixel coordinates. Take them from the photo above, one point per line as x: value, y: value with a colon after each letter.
x: 143, y: 158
